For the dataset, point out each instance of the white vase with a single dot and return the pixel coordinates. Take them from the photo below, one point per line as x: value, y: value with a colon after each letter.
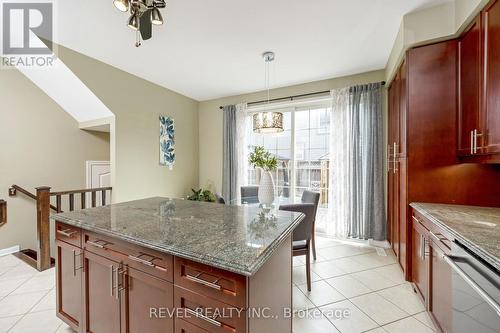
x: 266, y: 188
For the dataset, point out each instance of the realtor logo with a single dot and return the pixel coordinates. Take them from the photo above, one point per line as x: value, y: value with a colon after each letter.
x: 23, y: 26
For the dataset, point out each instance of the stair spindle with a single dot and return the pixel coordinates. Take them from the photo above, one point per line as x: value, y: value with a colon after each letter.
x: 71, y: 202
x: 93, y: 198
x: 58, y: 203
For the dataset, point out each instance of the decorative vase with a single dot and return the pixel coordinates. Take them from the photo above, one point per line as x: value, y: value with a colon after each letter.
x: 266, y: 188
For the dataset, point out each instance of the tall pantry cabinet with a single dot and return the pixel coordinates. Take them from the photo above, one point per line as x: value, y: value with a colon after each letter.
x: 444, y: 131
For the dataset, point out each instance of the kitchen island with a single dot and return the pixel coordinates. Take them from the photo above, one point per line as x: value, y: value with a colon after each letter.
x: 170, y: 265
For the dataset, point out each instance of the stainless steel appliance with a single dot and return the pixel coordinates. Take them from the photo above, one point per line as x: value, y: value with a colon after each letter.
x: 475, y: 293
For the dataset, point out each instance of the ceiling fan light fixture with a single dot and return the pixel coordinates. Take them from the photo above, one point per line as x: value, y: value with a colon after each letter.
x: 156, y: 17
x: 133, y: 22
x: 121, y: 5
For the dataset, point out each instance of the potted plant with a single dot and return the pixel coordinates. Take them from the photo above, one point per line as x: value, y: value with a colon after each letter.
x: 202, y: 195
x: 265, y: 162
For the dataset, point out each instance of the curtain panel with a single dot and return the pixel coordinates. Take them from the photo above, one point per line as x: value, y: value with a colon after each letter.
x: 234, y: 151
x: 356, y: 163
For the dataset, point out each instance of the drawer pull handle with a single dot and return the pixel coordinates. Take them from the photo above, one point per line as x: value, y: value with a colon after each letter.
x: 201, y: 281
x: 96, y: 244
x: 111, y: 280
x: 147, y: 262
x: 67, y: 233
x: 74, y: 262
x: 201, y: 316
x: 436, y: 237
x: 142, y: 261
x: 415, y: 219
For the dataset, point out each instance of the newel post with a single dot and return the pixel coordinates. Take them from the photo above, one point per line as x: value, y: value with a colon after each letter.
x: 43, y: 228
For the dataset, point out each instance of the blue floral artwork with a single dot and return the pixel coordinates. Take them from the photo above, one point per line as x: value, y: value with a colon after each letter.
x: 167, y: 141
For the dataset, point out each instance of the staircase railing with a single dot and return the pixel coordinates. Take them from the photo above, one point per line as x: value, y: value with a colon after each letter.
x: 40, y: 258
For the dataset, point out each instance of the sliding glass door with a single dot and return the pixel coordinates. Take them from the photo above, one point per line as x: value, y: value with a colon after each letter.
x: 302, y: 150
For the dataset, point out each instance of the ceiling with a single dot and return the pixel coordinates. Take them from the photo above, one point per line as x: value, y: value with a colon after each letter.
x: 209, y: 49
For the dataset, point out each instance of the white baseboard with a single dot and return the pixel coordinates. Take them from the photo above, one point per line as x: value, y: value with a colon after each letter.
x: 9, y: 250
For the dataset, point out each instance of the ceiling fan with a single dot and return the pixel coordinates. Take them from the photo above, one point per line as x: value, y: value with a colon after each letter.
x: 143, y: 15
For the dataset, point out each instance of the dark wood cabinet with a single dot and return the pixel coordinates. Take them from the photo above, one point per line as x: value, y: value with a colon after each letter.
x: 145, y: 302
x: 479, y: 88
x: 230, y: 287
x: 431, y: 275
x: 396, y: 164
x: 440, y: 303
x: 420, y: 258
x: 401, y: 171
x: 182, y: 326
x: 205, y: 312
x: 423, y: 136
x: 108, y: 285
x: 103, y: 289
x: 69, y: 284
x: 469, y: 68
x: 491, y: 131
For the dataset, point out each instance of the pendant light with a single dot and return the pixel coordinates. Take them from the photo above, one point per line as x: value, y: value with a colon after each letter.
x: 133, y: 22
x: 268, y: 122
x: 121, y: 5
x: 156, y: 17
x: 142, y: 25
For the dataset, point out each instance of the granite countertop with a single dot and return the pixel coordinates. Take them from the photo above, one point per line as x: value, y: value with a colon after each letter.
x: 477, y: 228
x: 235, y: 238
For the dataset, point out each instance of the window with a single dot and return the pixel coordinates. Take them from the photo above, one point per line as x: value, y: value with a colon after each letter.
x: 302, y: 150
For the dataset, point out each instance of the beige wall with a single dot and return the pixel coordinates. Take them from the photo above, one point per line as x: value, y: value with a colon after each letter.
x: 210, y: 120
x: 432, y: 24
x: 137, y: 103
x: 41, y: 145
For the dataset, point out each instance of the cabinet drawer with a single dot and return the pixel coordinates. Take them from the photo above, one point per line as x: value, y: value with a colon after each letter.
x: 440, y: 237
x: 182, y: 326
x: 69, y: 234
x: 219, y: 284
x: 149, y: 261
x: 207, y: 313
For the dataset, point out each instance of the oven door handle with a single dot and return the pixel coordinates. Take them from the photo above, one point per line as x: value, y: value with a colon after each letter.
x: 484, y: 295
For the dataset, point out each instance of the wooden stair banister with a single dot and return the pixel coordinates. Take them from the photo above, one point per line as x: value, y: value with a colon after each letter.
x: 16, y: 188
x: 3, y: 212
x: 41, y: 259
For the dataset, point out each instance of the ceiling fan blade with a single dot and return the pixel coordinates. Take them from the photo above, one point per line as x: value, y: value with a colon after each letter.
x: 145, y: 26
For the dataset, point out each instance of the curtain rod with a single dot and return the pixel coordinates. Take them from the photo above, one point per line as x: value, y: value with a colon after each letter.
x: 291, y: 98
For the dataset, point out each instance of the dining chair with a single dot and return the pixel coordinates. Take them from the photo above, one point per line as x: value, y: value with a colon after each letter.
x: 312, y: 198
x: 302, y: 234
x: 219, y: 199
x: 249, y: 194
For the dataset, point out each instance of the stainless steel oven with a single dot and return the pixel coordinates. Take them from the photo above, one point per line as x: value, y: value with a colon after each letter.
x: 474, y: 293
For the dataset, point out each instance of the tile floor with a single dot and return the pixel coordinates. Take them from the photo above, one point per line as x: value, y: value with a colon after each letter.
x: 354, y: 290
x: 370, y: 289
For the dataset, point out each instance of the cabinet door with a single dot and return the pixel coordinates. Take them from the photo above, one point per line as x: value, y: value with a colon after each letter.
x: 440, y: 304
x: 390, y: 187
x: 147, y: 303
x: 469, y: 57
x: 401, y: 167
x: 102, y: 299
x: 491, y: 132
x: 69, y: 284
x: 402, y: 112
x: 393, y: 163
x: 420, y: 258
